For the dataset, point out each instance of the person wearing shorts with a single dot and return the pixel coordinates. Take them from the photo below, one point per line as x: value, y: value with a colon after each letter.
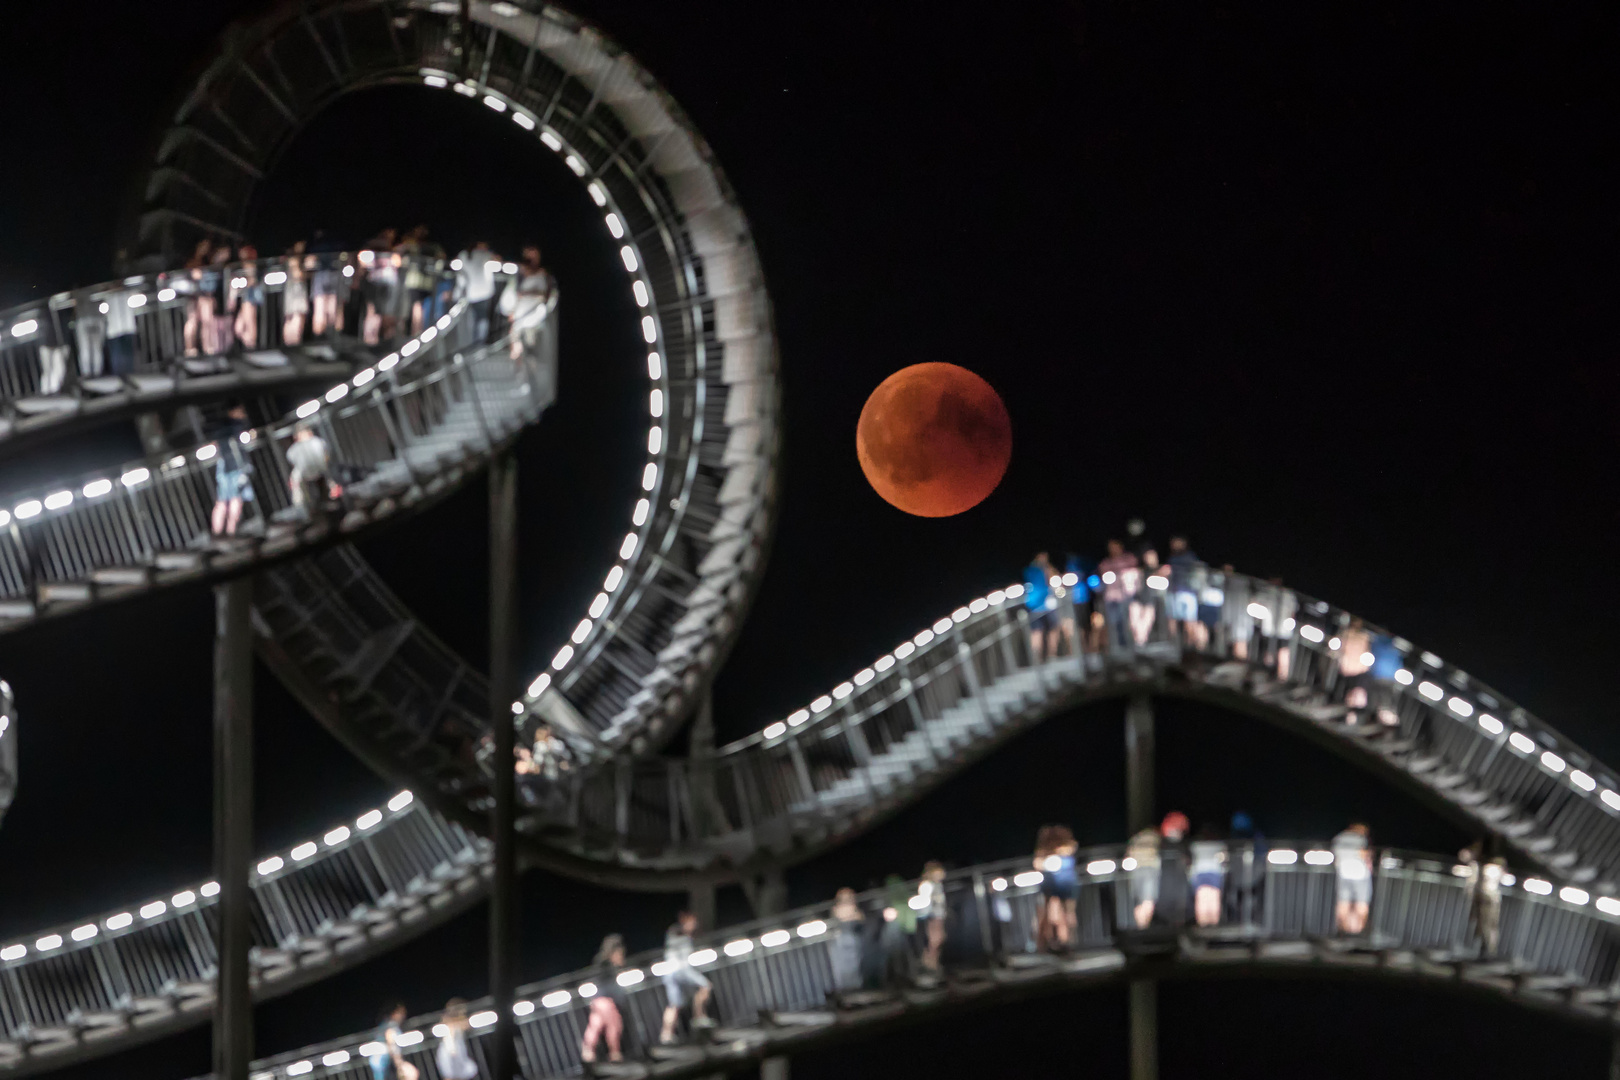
x: 1142, y: 863
x: 1041, y: 602
x: 1055, y: 849
x: 232, y: 487
x: 1207, y: 871
x: 683, y: 983
x: 1211, y: 603
x: 1352, y: 870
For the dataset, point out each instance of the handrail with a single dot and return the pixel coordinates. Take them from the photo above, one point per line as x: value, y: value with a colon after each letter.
x: 59, y: 363
x: 116, y: 532
x: 1274, y: 893
x: 1467, y: 744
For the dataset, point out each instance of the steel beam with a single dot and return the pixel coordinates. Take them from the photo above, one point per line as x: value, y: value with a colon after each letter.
x: 1139, y: 814
x: 1139, y: 764
x: 1144, y: 1029
x: 503, y: 914
x: 233, y: 824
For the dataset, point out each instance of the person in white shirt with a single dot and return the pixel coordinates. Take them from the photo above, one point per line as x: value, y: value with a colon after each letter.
x: 524, y: 304
x: 475, y: 283
x: 452, y: 1057
x: 311, y: 465
x: 1352, y: 865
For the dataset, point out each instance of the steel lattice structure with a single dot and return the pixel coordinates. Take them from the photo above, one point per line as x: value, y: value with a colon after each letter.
x: 418, y: 418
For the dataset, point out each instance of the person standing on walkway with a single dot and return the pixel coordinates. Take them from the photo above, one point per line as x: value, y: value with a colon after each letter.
x: 1352, y: 867
x: 846, y: 948
x: 232, y: 488
x: 1055, y: 849
x: 608, y: 1006
x: 1208, y: 873
x: 389, y: 1063
x: 475, y: 283
x: 1041, y: 602
x: 933, y: 914
x: 453, y: 1057
x: 1142, y: 859
x: 1121, y: 577
x: 683, y: 983
x: 1186, y: 581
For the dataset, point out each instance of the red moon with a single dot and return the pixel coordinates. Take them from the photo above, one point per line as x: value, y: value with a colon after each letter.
x: 934, y: 439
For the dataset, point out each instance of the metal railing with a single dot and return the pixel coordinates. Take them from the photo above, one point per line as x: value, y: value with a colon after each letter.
x: 790, y: 976
x: 897, y: 727
x: 95, y: 984
x: 400, y: 432
x: 702, y: 317
x: 149, y: 337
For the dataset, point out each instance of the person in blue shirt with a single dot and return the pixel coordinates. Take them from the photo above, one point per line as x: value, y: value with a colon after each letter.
x: 1041, y: 601
x: 1055, y: 849
x: 1079, y: 571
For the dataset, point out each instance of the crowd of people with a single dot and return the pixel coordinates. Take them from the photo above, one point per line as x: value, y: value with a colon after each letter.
x: 396, y: 291
x: 1169, y: 879
x: 225, y: 301
x: 1131, y: 598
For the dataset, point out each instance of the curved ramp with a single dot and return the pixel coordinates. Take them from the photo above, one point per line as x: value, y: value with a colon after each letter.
x: 676, y: 588
x: 775, y: 989
x: 406, y: 431
x: 60, y: 372
x: 99, y: 985
x: 920, y: 713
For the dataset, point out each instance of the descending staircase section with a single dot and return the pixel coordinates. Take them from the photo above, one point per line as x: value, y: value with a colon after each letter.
x: 776, y: 987
x: 58, y: 372
x: 917, y: 715
x: 101, y: 984
x: 403, y: 433
x: 675, y: 589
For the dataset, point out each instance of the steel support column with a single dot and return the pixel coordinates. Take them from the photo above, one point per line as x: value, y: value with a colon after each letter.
x: 700, y: 756
x: 503, y: 922
x: 1139, y: 815
x: 1139, y: 764
x: 233, y: 825
x: 1144, y: 1029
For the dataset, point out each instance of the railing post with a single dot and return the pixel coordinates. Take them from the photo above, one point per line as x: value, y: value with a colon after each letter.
x: 233, y: 825
x: 503, y: 927
x: 1144, y: 993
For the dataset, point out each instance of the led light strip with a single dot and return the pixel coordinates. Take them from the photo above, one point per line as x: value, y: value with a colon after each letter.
x: 651, y: 333
x: 273, y: 866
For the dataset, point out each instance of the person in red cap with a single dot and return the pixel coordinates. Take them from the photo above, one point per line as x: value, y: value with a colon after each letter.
x: 1174, y: 888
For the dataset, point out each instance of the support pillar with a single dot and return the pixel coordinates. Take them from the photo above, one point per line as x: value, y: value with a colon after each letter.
x: 700, y: 765
x: 1144, y: 1029
x: 503, y: 914
x: 1139, y: 815
x: 1139, y: 808
x: 233, y: 825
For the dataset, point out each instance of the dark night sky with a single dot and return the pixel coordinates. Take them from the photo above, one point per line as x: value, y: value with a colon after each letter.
x: 1333, y: 294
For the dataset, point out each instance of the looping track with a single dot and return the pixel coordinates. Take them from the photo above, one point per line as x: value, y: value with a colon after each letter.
x: 675, y: 592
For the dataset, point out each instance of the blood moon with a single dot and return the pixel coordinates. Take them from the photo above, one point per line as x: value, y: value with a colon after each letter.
x: 934, y: 439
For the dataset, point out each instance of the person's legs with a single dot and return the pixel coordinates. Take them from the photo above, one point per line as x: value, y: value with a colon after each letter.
x: 593, y: 1032
x: 613, y: 1031
x: 1145, y: 893
x: 700, y: 1002
x: 216, y: 520
x: 936, y: 938
x: 233, y: 515
x: 1207, y: 905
